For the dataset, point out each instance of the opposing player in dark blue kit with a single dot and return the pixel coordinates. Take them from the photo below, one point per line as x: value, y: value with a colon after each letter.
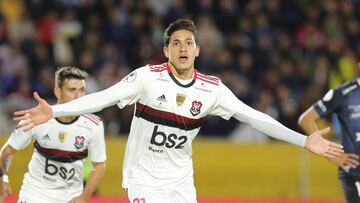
x: 344, y: 101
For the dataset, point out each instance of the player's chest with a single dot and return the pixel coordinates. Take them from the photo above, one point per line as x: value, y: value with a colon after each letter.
x: 350, y: 106
x: 63, y: 137
x: 187, y: 101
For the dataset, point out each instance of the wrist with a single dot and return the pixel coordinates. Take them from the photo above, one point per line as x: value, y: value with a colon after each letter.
x: 5, y: 178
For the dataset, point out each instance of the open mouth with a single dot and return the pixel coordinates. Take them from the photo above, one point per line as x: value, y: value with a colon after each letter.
x: 183, y: 59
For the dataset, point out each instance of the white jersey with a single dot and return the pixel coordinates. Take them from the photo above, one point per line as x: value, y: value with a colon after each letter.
x: 168, y: 116
x: 56, y: 167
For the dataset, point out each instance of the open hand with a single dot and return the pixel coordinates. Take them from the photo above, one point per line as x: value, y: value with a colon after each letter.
x: 34, y: 116
x: 320, y: 146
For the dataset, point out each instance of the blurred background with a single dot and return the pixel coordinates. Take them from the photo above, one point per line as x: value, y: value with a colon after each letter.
x: 278, y: 56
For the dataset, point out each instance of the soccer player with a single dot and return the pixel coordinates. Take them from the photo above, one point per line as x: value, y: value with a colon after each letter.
x: 344, y: 101
x: 56, y: 168
x: 171, y: 101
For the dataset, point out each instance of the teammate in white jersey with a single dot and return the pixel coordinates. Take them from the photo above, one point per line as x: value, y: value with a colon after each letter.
x: 171, y: 101
x: 56, y: 168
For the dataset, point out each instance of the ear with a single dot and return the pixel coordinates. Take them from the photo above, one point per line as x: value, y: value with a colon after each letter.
x: 57, y: 92
x: 166, y: 52
x: 197, y: 52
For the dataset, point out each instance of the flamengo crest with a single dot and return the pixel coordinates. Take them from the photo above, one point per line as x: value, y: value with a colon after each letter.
x: 195, y: 107
x: 79, y: 141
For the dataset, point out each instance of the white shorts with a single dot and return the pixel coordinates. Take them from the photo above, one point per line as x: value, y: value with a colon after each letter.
x: 183, y: 193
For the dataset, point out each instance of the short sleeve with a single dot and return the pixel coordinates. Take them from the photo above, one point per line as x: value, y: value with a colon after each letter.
x: 224, y: 101
x: 97, y: 149
x: 329, y: 103
x: 20, y: 139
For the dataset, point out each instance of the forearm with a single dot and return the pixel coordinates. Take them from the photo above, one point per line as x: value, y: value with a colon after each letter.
x: 308, y: 121
x: 6, y: 155
x: 95, y: 177
x: 268, y: 125
x: 86, y: 104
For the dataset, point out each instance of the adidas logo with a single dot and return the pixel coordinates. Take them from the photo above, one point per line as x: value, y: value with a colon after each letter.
x: 162, y: 98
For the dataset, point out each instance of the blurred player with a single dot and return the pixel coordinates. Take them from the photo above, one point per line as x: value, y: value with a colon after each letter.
x: 56, y: 168
x: 171, y: 101
x: 344, y: 101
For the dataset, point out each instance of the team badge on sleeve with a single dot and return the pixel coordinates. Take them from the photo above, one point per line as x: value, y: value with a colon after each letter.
x: 62, y: 136
x: 131, y: 77
x: 195, y: 108
x: 79, y: 141
x: 180, y: 98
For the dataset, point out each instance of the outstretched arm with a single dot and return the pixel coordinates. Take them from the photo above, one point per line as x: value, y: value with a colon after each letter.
x: 95, y: 176
x: 44, y: 112
x: 308, y: 122
x: 268, y: 125
x: 6, y: 155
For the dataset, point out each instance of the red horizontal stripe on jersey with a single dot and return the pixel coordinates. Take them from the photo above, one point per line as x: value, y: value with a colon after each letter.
x: 213, y: 78
x: 209, y: 79
x: 167, y: 118
x: 92, y: 119
x: 96, y: 118
x: 60, y: 155
x: 158, y: 68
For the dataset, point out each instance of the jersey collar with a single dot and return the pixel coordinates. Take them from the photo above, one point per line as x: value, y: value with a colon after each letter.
x: 67, y: 123
x: 177, y: 82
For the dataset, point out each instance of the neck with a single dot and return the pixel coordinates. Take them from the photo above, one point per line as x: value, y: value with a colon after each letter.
x: 67, y: 119
x: 181, y: 74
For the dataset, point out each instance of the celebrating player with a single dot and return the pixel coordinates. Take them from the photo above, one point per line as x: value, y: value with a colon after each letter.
x: 56, y: 167
x: 171, y: 101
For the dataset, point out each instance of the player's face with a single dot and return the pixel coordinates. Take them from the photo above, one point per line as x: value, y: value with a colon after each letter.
x: 182, y: 50
x: 72, y: 89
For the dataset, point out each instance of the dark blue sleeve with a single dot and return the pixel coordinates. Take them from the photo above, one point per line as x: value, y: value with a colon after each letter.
x: 329, y: 103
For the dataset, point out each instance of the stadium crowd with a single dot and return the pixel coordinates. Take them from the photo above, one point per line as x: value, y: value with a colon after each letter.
x: 279, y: 56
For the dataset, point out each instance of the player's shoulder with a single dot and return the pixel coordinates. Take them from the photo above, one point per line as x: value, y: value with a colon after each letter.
x: 150, y: 69
x: 347, y: 87
x: 157, y: 68
x: 92, y: 119
x: 210, y: 79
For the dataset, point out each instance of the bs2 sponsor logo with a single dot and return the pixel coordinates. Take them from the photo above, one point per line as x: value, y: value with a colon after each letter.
x: 64, y: 173
x: 159, y: 138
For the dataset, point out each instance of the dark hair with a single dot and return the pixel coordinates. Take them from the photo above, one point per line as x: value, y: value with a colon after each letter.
x: 68, y: 72
x: 180, y: 24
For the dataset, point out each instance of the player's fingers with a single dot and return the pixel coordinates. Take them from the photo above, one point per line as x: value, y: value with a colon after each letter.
x: 37, y: 97
x: 354, y: 156
x: 352, y: 162
x: 335, y: 145
x: 329, y: 155
x: 29, y: 127
x: 334, y: 154
x: 26, y: 123
x: 22, y: 112
x: 325, y: 130
x: 336, y: 149
x: 20, y: 118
